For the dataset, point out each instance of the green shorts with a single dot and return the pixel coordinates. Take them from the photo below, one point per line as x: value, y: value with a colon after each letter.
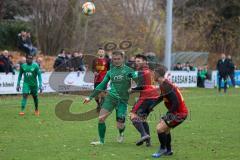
x: 111, y: 103
x: 27, y: 89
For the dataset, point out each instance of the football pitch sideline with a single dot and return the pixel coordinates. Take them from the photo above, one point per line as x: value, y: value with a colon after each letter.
x: 212, y: 130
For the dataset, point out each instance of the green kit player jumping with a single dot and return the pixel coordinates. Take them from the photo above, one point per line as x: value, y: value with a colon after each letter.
x: 30, y: 71
x: 116, y: 98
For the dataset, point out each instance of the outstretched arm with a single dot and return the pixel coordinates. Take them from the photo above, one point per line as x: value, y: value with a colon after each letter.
x: 101, y: 86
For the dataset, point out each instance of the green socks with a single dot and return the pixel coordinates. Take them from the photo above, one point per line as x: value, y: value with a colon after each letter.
x: 35, y: 98
x: 101, y: 131
x: 24, y: 102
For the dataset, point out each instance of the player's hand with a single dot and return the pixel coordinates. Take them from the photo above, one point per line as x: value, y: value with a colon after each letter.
x: 86, y: 100
x: 18, y: 88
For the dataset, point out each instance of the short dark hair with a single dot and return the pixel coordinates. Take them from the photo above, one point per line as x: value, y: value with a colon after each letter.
x: 118, y: 52
x: 100, y: 48
x: 143, y: 57
x: 160, y: 71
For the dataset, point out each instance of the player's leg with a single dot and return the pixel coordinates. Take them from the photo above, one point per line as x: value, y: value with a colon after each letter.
x: 168, y: 143
x: 138, y: 121
x: 23, y: 103
x: 34, y: 93
x: 121, y: 112
x: 139, y: 115
x: 105, y: 111
x: 101, y: 124
x: 167, y: 122
x: 98, y: 98
x: 219, y: 82
x: 25, y: 93
x: 146, y: 110
x: 162, y: 129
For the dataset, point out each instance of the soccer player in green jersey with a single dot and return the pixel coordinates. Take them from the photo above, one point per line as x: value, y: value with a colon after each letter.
x: 117, y: 97
x: 30, y: 71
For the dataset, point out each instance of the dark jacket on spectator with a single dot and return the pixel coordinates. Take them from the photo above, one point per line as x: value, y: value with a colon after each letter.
x: 60, y: 63
x: 222, y: 67
x: 231, y: 66
x: 5, y: 65
x: 77, y: 64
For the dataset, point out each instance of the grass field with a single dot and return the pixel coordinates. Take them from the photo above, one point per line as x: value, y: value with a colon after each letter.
x: 212, y: 131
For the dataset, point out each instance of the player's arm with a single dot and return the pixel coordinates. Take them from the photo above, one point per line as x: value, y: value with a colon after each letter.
x: 39, y: 77
x: 19, y: 78
x: 39, y: 74
x: 172, y: 97
x: 101, y: 87
x: 138, y: 77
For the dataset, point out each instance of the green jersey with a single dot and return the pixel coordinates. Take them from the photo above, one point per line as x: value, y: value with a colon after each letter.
x: 120, y: 83
x: 30, y: 73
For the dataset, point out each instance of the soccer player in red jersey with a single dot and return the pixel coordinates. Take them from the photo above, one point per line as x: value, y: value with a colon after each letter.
x: 177, y: 112
x: 100, y: 67
x: 147, y: 100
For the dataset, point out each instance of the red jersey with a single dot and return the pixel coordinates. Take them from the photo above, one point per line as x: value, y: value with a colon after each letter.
x: 146, y: 84
x: 101, y: 66
x: 173, y: 98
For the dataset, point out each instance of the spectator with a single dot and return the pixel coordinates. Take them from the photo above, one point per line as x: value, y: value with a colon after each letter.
x: 207, y: 72
x: 152, y: 59
x: 60, y: 63
x: 39, y: 61
x: 131, y: 62
x: 68, y: 57
x: 186, y: 67
x: 177, y: 67
x: 5, y: 63
x: 192, y: 67
x: 108, y: 55
x: 201, y: 76
x: 10, y: 57
x: 25, y: 43
x: 77, y: 62
x: 222, y: 68
x: 231, y: 70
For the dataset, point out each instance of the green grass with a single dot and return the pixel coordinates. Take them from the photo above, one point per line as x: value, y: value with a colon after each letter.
x: 212, y: 131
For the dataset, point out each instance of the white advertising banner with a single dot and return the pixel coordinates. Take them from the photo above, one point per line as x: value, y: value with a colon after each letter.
x: 183, y: 78
x: 74, y: 81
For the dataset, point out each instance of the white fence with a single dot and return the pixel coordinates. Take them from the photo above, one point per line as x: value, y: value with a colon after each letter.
x: 8, y: 83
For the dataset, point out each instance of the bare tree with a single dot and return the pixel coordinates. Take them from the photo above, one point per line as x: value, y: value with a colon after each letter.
x: 57, y: 24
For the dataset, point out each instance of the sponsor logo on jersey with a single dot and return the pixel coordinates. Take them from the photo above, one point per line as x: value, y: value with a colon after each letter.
x: 118, y: 78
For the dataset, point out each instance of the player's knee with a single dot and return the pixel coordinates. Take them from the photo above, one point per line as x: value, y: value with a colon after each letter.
x: 101, y: 119
x: 160, y: 128
x: 133, y: 116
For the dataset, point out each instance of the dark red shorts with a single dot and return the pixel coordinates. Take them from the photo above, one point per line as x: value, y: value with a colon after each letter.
x: 174, y: 119
x: 144, y: 106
